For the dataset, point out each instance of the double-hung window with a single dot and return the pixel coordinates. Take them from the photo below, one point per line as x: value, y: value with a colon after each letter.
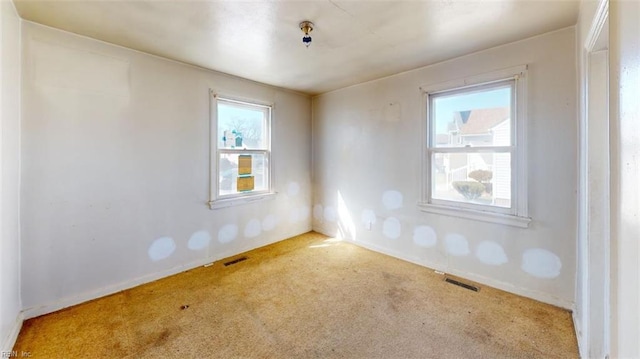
x: 474, y: 153
x: 241, y: 151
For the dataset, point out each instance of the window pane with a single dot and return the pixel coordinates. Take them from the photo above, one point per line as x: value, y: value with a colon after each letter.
x: 472, y: 118
x: 479, y: 178
x: 242, y: 173
x: 242, y: 126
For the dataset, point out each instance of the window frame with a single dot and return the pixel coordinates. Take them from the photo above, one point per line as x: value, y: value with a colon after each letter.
x: 517, y: 214
x: 216, y: 200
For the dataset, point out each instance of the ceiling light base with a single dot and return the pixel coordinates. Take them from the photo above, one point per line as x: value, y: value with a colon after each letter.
x: 306, y: 27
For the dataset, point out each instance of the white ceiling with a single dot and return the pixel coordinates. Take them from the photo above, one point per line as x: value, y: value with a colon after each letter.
x: 353, y: 41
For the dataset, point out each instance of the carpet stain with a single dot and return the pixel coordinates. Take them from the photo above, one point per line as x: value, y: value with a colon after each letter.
x: 162, y: 338
x: 397, y: 297
x: 156, y: 340
x: 480, y: 335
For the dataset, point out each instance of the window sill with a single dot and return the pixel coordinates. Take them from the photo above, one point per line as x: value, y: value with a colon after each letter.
x: 237, y: 201
x: 483, y: 216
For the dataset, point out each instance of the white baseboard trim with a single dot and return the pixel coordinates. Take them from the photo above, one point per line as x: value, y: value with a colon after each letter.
x: 36, y: 311
x: 507, y: 287
x: 10, y: 340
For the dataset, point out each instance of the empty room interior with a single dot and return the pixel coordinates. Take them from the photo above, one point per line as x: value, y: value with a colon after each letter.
x: 321, y: 178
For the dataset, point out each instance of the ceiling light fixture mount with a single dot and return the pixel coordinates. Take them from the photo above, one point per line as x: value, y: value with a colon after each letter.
x: 306, y: 27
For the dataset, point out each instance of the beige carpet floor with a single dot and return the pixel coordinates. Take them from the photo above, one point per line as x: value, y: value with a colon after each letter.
x: 306, y: 297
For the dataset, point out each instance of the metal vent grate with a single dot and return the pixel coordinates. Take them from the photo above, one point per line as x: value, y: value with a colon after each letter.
x: 463, y: 285
x: 237, y: 260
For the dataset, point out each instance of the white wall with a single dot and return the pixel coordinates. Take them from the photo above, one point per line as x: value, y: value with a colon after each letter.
x: 10, y: 318
x: 367, y: 142
x: 624, y: 62
x: 115, y: 155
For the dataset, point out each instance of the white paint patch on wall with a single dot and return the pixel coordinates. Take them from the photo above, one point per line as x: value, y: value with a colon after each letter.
x: 161, y: 248
x: 293, y: 189
x: 425, y: 236
x: 368, y: 218
x: 269, y: 222
x: 199, y: 240
x: 318, y: 212
x: 456, y: 245
x: 392, y: 228
x: 491, y: 253
x: 541, y: 263
x: 330, y: 214
x: 253, y: 228
x: 227, y: 233
x: 392, y: 199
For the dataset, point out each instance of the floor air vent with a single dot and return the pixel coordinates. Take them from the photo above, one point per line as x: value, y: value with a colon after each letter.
x: 237, y: 260
x: 463, y: 285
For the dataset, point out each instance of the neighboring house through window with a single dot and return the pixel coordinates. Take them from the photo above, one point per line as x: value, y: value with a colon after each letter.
x: 241, y: 151
x: 474, y: 153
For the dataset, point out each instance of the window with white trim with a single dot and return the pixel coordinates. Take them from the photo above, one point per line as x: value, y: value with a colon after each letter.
x: 474, y: 153
x: 241, y: 151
